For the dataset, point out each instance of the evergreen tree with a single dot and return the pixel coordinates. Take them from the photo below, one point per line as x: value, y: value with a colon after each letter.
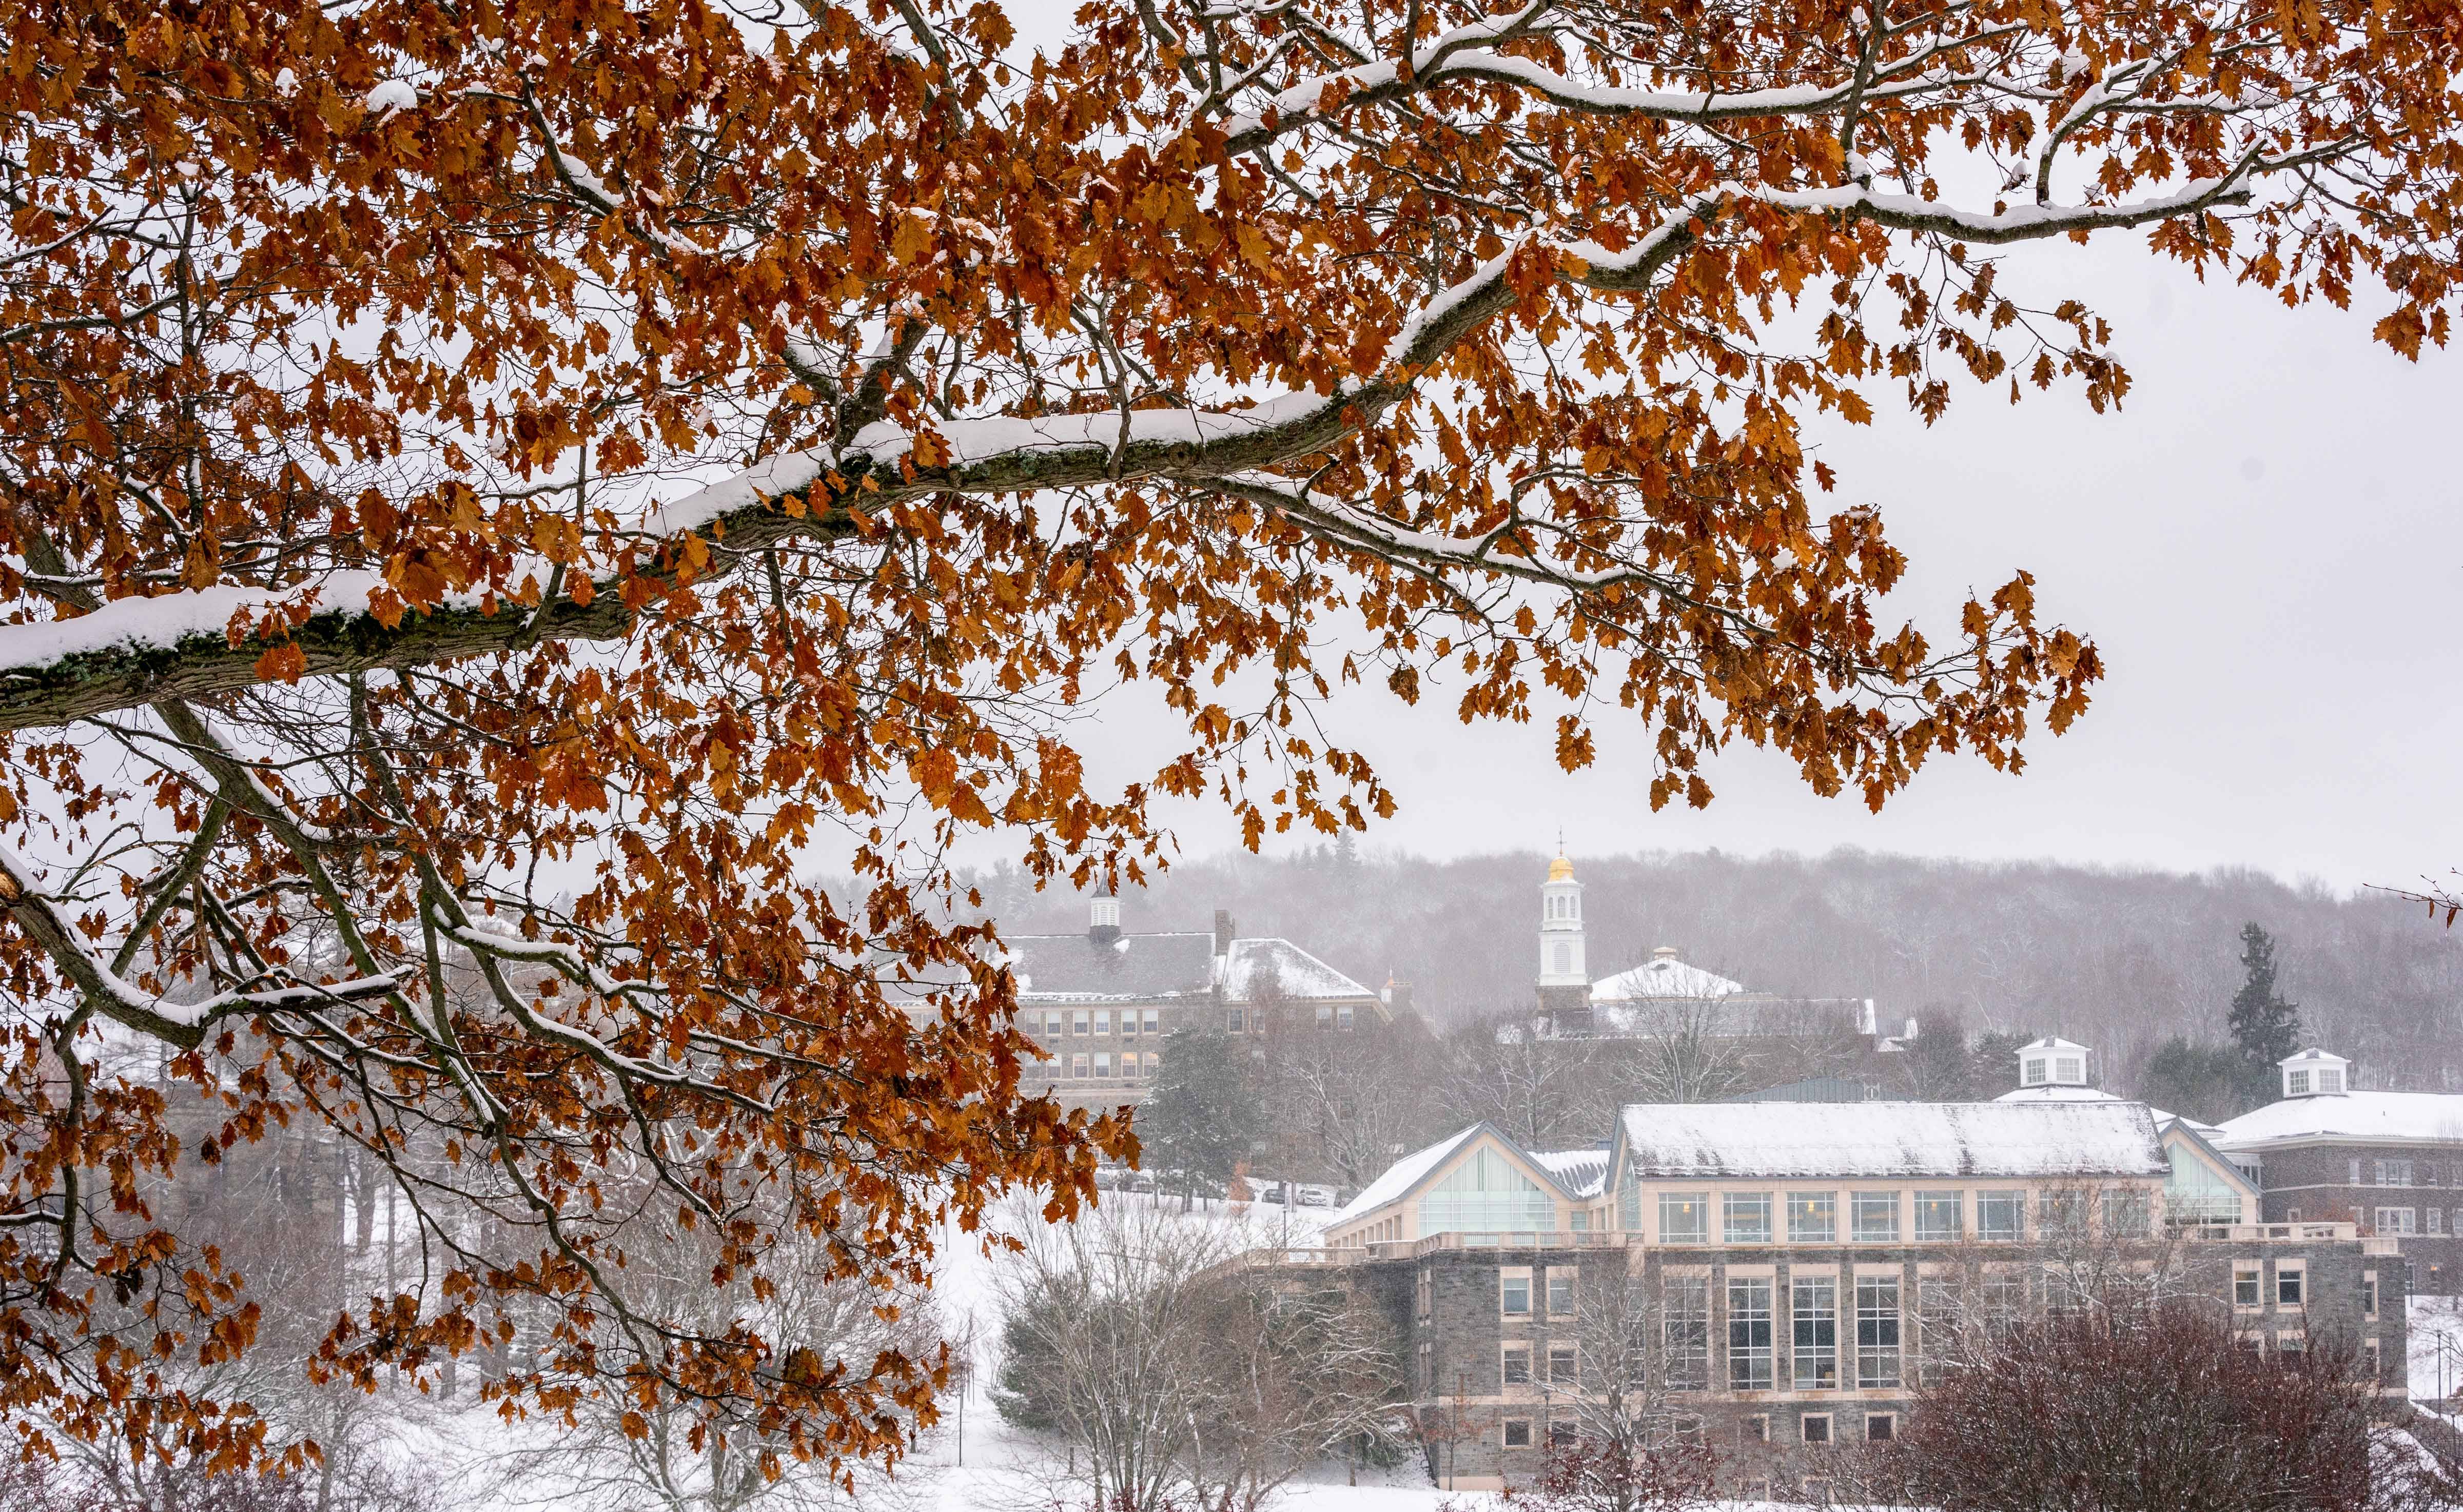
x: 1995, y: 1057
x: 2265, y: 1026
x: 2197, y: 1079
x: 1205, y: 1115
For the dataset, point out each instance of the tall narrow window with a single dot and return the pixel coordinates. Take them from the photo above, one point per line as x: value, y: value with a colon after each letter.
x: 1877, y: 1331
x: 2125, y: 1214
x: 1561, y: 1292
x: 2001, y: 1216
x: 2003, y: 1301
x: 1685, y: 1323
x: 1937, y: 1307
x: 1815, y: 1314
x: 1749, y: 1335
x: 1513, y: 1293
x: 1102, y: 1020
x: 1154, y: 1021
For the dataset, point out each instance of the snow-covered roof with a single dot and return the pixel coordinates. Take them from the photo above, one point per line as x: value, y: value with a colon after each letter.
x: 1663, y: 977
x: 1252, y: 962
x: 2054, y: 1092
x: 2373, y: 1117
x: 1996, y: 1140
x: 2314, y: 1056
x: 1585, y: 1172
x: 1402, y: 1175
x: 1081, y: 969
x: 2051, y: 1044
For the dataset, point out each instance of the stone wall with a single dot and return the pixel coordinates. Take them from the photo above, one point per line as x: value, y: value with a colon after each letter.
x: 2314, y: 1182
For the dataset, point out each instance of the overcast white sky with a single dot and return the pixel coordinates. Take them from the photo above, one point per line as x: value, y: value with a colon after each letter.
x: 2266, y: 543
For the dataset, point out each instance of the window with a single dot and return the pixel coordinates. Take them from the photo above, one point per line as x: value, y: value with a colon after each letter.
x: 1154, y: 1021
x: 1078, y: 1021
x: 1518, y: 1364
x: 1325, y: 1015
x: 1517, y: 1433
x: 1077, y: 1067
x: 1103, y: 1065
x: 2003, y: 1301
x: 2288, y: 1279
x: 2393, y: 1173
x: 2356, y: 1173
x: 2436, y: 1219
x: 1754, y: 1429
x: 1745, y: 1218
x: 2428, y: 1173
x: 1342, y: 1018
x: 1129, y: 1021
x: 2125, y: 1214
x: 2001, y: 1215
x: 1102, y: 1020
x: 1877, y: 1331
x: 1937, y: 1214
x: 1817, y: 1431
x: 1053, y: 1027
x: 1562, y: 1370
x: 1513, y: 1293
x: 2370, y: 1295
x: 1937, y: 1322
x: 1875, y: 1216
x: 1684, y: 1218
x: 2396, y: 1220
x: 1749, y: 1335
x: 1561, y: 1291
x: 1685, y: 1332
x: 2369, y: 1353
x: 1485, y: 1193
x: 2296, y: 1083
x: 1880, y: 1428
x: 2062, y: 1212
x: 1816, y: 1312
x: 2071, y: 1068
x: 1812, y: 1218
x: 1231, y: 1021
x: 1561, y: 1432
x: 2290, y: 1343
x: 1581, y: 1219
x: 2034, y: 1070
x: 2245, y: 1288
x: 2329, y: 1079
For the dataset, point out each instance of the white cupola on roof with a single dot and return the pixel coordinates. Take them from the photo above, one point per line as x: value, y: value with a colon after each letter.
x: 2051, y: 1062
x: 1103, y: 920
x: 2315, y: 1073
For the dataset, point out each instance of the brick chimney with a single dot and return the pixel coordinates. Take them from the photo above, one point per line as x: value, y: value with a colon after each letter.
x: 1223, y: 931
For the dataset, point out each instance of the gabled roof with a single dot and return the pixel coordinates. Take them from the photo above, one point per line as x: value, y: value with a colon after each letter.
x: 2170, y: 1129
x: 1077, y: 968
x: 1300, y: 975
x: 2052, y: 1044
x: 2374, y: 1117
x: 1408, y: 1174
x: 2028, y: 1139
x: 1663, y: 977
x: 1583, y: 1173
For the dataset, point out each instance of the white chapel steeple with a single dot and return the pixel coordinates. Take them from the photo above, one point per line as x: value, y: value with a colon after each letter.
x: 1560, y: 927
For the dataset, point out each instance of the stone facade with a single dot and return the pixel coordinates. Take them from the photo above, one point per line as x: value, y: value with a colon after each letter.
x: 2409, y: 1193
x: 1480, y: 1321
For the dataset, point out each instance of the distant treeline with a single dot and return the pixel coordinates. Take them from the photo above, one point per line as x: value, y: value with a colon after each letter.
x: 2122, y: 960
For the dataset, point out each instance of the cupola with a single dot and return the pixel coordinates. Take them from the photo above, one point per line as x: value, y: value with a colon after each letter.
x: 2315, y: 1073
x: 2051, y: 1062
x: 1103, y: 921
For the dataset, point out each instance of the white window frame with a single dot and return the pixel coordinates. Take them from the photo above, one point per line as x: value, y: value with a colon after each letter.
x: 2399, y: 1222
x: 1506, y: 1276
x: 2295, y: 1272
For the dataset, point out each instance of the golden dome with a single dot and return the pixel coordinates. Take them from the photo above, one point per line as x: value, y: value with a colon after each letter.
x: 1560, y: 870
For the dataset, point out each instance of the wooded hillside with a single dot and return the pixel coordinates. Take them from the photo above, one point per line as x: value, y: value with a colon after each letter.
x: 2119, y: 960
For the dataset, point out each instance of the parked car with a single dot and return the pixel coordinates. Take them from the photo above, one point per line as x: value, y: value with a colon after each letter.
x: 1271, y: 1192
x: 1316, y: 1196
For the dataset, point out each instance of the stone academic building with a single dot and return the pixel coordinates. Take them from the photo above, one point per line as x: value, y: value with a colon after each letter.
x: 1799, y: 1268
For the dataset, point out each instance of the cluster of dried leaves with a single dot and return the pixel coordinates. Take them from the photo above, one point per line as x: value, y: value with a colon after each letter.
x: 490, y: 490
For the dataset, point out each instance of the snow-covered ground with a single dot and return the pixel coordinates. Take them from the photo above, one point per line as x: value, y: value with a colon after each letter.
x: 2436, y: 1349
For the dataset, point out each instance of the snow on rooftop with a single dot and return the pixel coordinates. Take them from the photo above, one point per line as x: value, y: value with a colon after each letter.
x: 1585, y: 1172
x: 1664, y: 976
x: 1401, y: 1176
x: 1998, y: 1139
x: 1297, y: 974
x: 2422, y: 1117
